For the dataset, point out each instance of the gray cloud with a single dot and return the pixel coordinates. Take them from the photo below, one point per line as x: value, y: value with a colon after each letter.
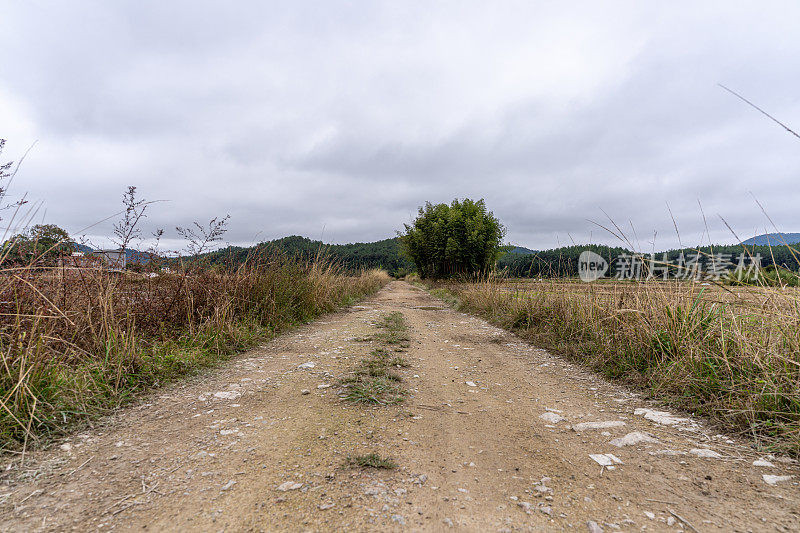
x: 338, y: 119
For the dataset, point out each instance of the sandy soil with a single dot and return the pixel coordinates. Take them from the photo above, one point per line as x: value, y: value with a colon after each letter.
x: 473, y: 449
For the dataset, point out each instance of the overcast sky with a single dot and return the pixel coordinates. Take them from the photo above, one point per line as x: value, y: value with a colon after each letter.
x: 336, y: 120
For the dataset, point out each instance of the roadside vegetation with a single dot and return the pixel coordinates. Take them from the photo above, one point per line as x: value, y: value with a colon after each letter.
x: 77, y: 344
x: 730, y: 354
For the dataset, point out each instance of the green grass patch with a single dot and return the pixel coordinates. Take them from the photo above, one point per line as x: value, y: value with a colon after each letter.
x: 374, y: 380
x: 372, y: 460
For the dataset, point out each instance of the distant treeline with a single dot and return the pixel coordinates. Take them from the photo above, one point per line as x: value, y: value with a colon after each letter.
x: 383, y: 254
x: 560, y: 262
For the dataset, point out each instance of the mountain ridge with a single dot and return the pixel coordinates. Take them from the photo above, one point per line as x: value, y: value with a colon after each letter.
x: 774, y: 239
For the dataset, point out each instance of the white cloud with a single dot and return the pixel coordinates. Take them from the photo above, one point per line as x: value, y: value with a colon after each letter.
x: 348, y: 115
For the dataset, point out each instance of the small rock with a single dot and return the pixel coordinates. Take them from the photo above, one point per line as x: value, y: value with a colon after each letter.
x: 583, y: 426
x: 774, y: 480
x: 227, y: 395
x: 66, y: 447
x: 763, y: 462
x: 326, y: 506
x: 471, y: 383
x: 705, y: 452
x: 651, y: 515
x: 552, y: 418
x: 228, y: 485
x: 399, y: 519
x: 546, y: 510
x: 592, y: 527
x: 670, y: 521
x: 323, y: 385
x: 525, y: 506
x: 447, y: 522
x: 605, y: 459
x: 305, y: 391
x: 661, y: 417
x: 309, y: 364
x: 289, y: 485
x: 633, y: 438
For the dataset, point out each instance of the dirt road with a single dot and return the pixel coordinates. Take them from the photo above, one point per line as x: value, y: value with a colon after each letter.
x: 494, y: 435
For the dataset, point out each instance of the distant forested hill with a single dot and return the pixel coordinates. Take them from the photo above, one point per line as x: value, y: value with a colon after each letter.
x: 518, y: 262
x: 553, y: 263
x: 521, y: 250
x: 563, y: 261
x: 383, y: 254
x: 774, y: 239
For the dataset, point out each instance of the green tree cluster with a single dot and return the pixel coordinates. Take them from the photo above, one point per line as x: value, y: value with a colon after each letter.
x: 41, y: 244
x: 462, y: 238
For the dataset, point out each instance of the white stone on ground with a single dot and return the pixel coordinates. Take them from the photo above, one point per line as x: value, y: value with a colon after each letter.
x: 289, y: 485
x: 605, y: 459
x: 774, y: 480
x: 661, y: 417
x: 633, y: 438
x: 762, y: 462
x: 705, y: 452
x: 598, y: 425
x: 592, y: 527
x: 553, y: 418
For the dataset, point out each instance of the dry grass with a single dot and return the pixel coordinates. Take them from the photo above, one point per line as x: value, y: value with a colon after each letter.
x: 729, y: 353
x: 77, y: 343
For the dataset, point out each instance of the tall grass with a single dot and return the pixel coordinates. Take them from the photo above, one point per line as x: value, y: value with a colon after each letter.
x: 731, y: 354
x: 76, y: 343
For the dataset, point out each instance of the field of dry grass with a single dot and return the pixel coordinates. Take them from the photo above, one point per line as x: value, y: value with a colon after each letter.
x: 78, y: 343
x: 730, y: 353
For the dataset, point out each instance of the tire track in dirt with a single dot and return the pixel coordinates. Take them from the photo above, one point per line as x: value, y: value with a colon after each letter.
x: 473, y: 450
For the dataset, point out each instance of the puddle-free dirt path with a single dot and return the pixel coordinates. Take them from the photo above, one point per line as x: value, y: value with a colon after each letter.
x: 493, y: 435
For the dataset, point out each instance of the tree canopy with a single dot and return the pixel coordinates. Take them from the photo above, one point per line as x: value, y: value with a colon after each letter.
x: 42, y: 244
x: 462, y: 238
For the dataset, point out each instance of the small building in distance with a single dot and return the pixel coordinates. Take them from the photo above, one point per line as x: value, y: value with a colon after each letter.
x: 111, y: 259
